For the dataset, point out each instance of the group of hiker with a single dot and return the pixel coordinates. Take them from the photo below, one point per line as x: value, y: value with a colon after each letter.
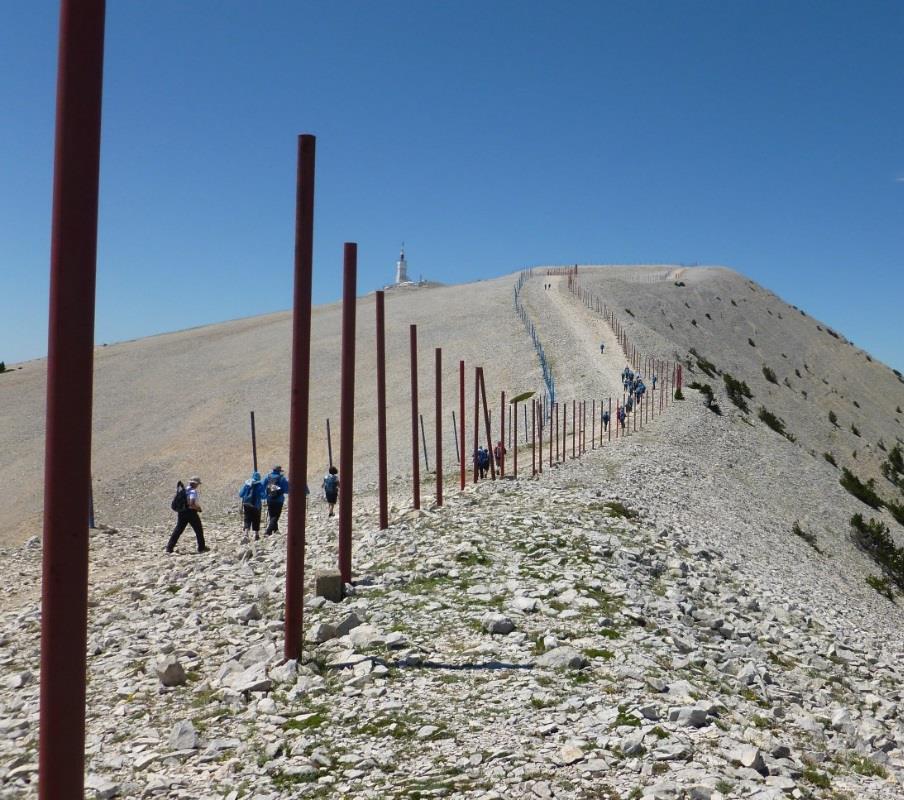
x: 481, y: 458
x: 254, y: 492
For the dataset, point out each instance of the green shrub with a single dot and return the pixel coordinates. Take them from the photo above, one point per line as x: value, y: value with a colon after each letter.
x: 774, y: 422
x: 897, y: 511
x: 864, y: 492
x: 855, y: 430
x: 2, y: 366
x: 809, y: 538
x: 874, y: 539
x: 705, y: 365
x: 893, y: 467
x: 751, y: 342
x: 678, y: 394
x: 882, y: 586
x: 769, y: 375
x: 833, y: 418
x: 831, y: 459
x: 737, y: 391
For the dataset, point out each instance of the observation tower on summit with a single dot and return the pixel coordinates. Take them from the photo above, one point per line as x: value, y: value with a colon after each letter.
x: 401, y: 271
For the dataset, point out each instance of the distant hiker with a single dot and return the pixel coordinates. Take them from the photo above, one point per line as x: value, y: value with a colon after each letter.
x: 629, y: 404
x: 331, y: 488
x: 621, y: 417
x: 276, y: 487
x: 252, y: 494
x: 605, y: 420
x: 499, y: 452
x: 484, y: 462
x: 602, y: 347
x: 654, y: 381
x: 187, y: 504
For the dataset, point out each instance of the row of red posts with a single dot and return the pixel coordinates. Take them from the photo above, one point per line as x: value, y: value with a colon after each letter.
x: 69, y: 402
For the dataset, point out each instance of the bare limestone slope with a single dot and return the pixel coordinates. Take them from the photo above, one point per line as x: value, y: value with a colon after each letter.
x: 173, y: 405
x: 640, y: 622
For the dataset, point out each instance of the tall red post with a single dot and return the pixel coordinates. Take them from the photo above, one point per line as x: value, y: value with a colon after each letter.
x: 461, y: 424
x: 439, y: 426
x: 382, y: 467
x: 415, y: 461
x: 347, y: 408
x: 611, y: 420
x: 70, y: 371
x: 476, y: 420
x: 574, y: 428
x: 300, y: 395
x: 533, y: 435
x: 593, y: 424
x: 515, y: 441
x: 486, y: 422
x: 540, y: 436
x: 551, y: 430
x: 502, y: 434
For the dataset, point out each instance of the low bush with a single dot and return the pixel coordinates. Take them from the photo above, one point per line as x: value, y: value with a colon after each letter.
x: 855, y: 430
x: 831, y: 459
x: 737, y: 391
x: 874, y: 539
x: 678, y: 394
x: 769, y: 375
x: 774, y: 422
x: 809, y: 538
x: 833, y: 418
x: 864, y: 492
x: 630, y: 311
x: 704, y: 364
x: 751, y: 342
x: 882, y: 586
x: 897, y: 511
x: 893, y: 467
x: 2, y: 366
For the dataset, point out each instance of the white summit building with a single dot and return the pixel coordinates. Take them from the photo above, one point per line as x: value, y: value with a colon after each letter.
x: 401, y: 269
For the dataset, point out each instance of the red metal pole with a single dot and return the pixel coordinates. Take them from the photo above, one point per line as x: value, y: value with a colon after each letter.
x: 299, y: 398
x: 486, y: 422
x: 574, y: 428
x: 70, y: 370
x: 593, y: 424
x: 540, y: 436
x: 502, y: 434
x: 461, y: 423
x: 439, y: 426
x: 583, y: 426
x: 382, y: 468
x: 415, y: 461
x: 609, y: 426
x: 555, y: 411
x: 614, y: 420
x: 347, y: 408
x: 551, y: 407
x: 533, y: 436
x: 476, y: 420
x: 515, y: 442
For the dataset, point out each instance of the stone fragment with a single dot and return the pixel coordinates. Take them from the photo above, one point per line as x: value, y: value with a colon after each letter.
x: 396, y: 641
x: 322, y: 632
x: 284, y: 673
x: 497, y: 623
x: 347, y: 625
x: 691, y: 716
x: 752, y: 758
x: 170, y: 671
x: 248, y: 613
x: 328, y: 584
x: 570, y: 754
x: 563, y: 657
x: 183, y: 736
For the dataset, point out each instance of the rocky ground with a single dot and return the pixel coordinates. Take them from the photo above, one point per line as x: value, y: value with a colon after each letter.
x: 639, y: 622
x: 583, y: 635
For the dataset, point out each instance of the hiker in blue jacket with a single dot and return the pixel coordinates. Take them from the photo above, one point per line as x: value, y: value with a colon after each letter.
x: 276, y: 487
x: 252, y: 494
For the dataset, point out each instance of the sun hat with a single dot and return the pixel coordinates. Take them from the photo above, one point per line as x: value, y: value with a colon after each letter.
x: 277, y: 468
x: 195, y: 479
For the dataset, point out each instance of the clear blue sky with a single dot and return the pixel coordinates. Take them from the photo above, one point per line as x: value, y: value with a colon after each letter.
x: 766, y: 136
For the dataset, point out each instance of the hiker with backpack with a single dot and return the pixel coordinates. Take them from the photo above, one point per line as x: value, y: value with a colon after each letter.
x: 484, y: 462
x: 187, y: 504
x: 499, y: 452
x: 252, y: 494
x: 621, y: 417
x: 605, y: 419
x: 654, y: 381
x: 331, y: 488
x: 276, y: 487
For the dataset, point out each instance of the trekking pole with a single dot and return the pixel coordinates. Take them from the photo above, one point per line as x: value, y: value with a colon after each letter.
x: 424, y: 444
x: 329, y: 441
x: 253, y: 443
x: 455, y: 438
